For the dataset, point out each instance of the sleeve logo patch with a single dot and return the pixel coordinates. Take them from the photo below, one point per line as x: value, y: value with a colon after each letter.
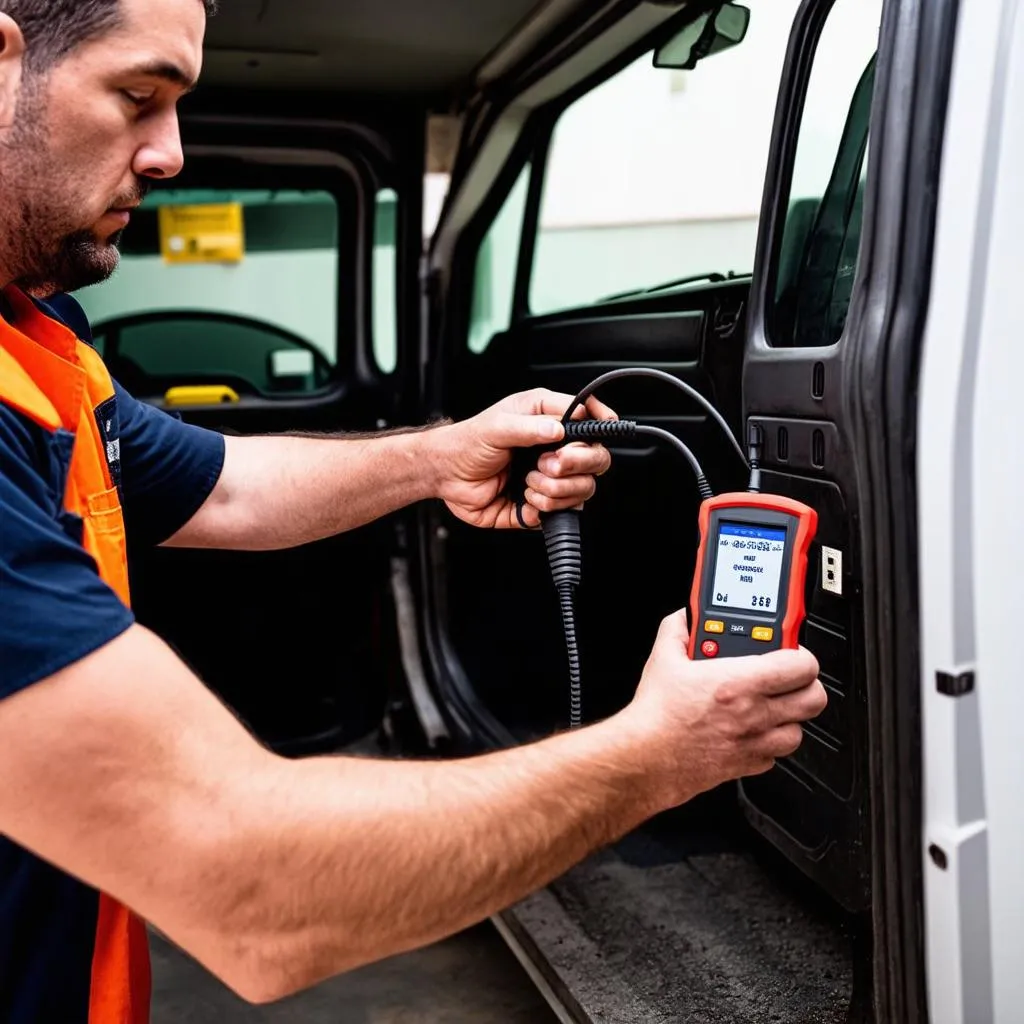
x: 110, y: 429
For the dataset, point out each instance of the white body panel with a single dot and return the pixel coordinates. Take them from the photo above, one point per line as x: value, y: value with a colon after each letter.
x: 971, y: 503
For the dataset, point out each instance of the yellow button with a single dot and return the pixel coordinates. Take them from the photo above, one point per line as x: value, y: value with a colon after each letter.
x: 763, y: 633
x: 714, y: 627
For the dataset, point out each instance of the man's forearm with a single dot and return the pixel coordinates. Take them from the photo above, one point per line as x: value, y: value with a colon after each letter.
x: 276, y: 873
x: 281, y: 492
x: 350, y: 861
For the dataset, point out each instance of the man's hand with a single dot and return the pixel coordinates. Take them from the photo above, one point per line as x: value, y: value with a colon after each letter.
x: 710, y: 722
x: 474, y: 458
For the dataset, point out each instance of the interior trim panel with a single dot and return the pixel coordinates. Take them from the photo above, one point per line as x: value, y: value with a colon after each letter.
x: 648, y: 338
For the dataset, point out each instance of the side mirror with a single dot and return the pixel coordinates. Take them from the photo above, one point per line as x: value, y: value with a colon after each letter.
x: 720, y: 29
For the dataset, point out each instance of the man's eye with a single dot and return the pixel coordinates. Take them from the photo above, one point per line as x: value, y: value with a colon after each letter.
x: 137, y: 98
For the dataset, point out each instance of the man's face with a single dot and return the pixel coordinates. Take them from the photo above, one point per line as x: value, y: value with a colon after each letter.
x: 88, y: 135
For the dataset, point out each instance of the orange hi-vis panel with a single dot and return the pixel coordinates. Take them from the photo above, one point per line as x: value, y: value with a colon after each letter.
x: 60, y: 383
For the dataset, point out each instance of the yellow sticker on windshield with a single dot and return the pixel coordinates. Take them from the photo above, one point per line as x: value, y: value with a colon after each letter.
x: 210, y: 233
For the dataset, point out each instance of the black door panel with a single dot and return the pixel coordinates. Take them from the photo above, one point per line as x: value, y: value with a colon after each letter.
x: 824, y: 794
x: 797, y: 380
x: 298, y: 643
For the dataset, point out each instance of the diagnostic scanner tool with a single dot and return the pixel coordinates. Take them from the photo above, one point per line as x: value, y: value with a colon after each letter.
x: 748, y: 590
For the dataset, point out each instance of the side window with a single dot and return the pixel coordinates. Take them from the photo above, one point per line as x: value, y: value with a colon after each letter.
x: 494, y: 281
x: 816, y: 263
x: 385, y: 281
x: 657, y: 174
x: 238, y: 287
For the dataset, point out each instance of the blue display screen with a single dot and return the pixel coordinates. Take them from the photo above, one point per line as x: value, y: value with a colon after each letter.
x: 748, y: 569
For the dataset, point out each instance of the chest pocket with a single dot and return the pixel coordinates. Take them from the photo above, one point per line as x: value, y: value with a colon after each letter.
x: 104, y: 538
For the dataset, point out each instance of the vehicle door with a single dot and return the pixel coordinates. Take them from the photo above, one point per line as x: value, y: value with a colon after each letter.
x: 789, y: 300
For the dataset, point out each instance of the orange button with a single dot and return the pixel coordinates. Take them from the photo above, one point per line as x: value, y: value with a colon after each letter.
x: 711, y: 626
x: 709, y: 649
x: 764, y: 634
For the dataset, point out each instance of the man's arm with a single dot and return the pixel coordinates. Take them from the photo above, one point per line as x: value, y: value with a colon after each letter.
x: 280, y: 492
x: 124, y: 771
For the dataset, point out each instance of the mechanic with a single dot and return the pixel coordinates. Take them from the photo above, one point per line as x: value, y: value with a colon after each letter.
x: 126, y: 784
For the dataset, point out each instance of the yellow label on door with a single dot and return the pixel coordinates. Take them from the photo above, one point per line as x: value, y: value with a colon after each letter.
x: 209, y: 233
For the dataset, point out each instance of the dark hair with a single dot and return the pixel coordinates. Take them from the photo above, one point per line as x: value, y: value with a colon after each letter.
x: 53, y: 28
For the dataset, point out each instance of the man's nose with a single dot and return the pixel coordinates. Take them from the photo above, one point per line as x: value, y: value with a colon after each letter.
x: 161, y: 155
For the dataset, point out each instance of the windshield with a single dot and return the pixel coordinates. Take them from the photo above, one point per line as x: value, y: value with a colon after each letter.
x: 655, y: 178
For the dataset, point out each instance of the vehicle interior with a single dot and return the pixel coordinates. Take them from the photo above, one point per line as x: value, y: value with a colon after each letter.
x: 616, y: 194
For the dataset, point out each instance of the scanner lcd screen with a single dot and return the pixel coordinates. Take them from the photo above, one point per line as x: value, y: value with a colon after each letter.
x: 748, y: 569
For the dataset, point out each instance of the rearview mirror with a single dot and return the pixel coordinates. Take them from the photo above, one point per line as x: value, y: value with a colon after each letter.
x: 720, y: 29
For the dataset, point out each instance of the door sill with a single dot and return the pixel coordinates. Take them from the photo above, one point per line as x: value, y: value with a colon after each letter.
x: 540, y: 972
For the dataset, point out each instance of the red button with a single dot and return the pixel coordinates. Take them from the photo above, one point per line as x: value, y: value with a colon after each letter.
x: 709, y: 649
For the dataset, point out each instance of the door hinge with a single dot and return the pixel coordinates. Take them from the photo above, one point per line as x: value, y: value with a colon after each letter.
x: 955, y: 685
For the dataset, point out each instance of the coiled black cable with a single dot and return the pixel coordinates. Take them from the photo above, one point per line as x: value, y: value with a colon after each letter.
x: 646, y: 371
x: 567, y: 599
x: 565, y: 556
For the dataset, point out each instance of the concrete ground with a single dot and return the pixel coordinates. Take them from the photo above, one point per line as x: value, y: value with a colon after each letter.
x: 470, y: 979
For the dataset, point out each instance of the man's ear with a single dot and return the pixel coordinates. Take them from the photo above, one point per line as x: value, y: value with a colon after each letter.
x: 12, y: 59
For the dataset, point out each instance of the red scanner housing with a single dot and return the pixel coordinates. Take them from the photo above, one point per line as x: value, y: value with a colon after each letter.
x: 751, y: 575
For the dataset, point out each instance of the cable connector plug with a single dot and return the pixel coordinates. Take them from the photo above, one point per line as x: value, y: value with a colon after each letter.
x: 565, y: 546
x: 754, y: 442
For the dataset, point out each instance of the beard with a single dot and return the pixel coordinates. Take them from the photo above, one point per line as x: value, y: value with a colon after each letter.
x: 46, y: 249
x: 72, y: 261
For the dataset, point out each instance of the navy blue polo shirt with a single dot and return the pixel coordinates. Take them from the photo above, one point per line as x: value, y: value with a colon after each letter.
x: 54, y: 610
